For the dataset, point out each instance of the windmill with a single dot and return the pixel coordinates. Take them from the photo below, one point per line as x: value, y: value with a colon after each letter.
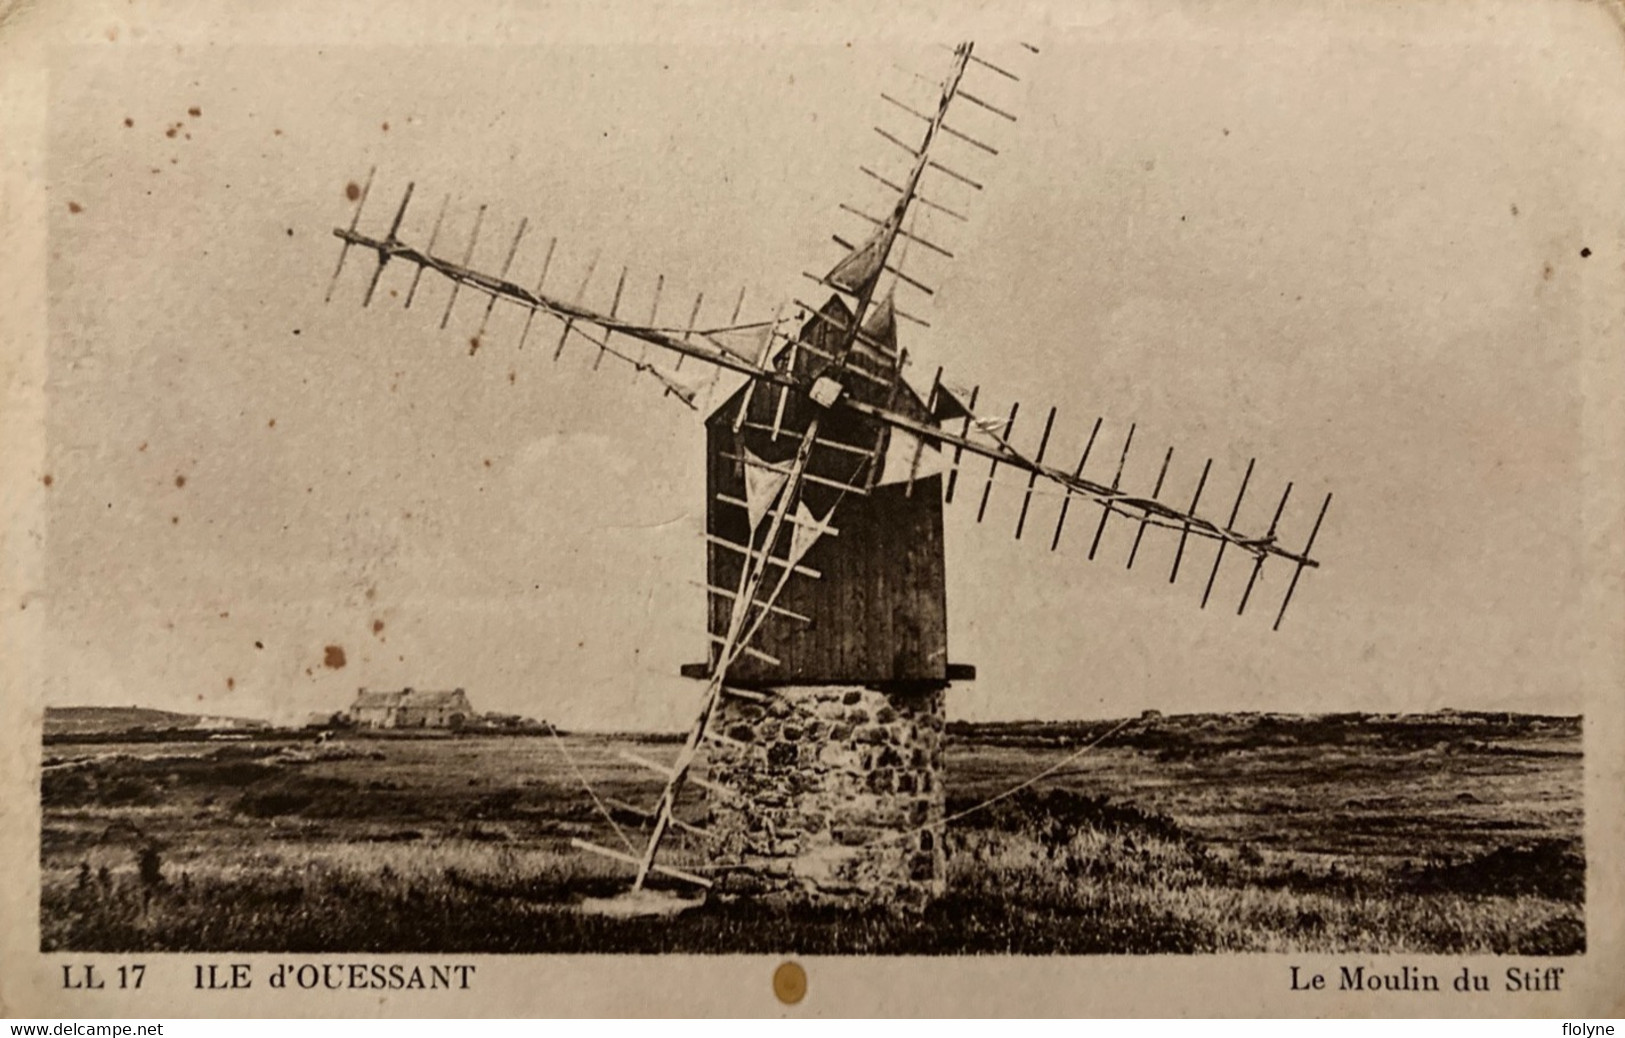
x: 820, y: 727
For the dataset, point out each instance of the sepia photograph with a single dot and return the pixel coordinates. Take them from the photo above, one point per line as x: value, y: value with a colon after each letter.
x: 1128, y: 483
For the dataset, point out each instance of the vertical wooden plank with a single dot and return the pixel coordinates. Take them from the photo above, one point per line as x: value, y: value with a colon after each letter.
x: 1258, y: 564
x: 1184, y: 534
x: 1066, y: 502
x: 1139, y: 534
x: 1297, y: 572
x: 1032, y: 477
x: 541, y: 280
x: 959, y: 452
x: 1235, y: 510
x: 993, y: 464
x: 434, y: 235
x: 468, y: 255
x: 1106, y: 512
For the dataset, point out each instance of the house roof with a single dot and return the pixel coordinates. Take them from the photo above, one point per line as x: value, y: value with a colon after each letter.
x: 409, y: 697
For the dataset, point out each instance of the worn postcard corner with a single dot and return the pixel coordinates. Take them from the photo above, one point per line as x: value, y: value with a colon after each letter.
x: 730, y: 510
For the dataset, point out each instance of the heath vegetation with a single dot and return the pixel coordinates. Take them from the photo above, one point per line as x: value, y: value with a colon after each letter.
x: 1444, y: 833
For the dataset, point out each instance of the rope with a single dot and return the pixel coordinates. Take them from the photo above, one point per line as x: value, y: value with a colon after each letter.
x: 565, y: 753
x: 981, y: 806
x: 1013, y: 790
x: 1027, y: 783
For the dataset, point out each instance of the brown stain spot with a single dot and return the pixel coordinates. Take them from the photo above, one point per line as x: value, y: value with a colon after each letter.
x: 194, y: 111
x: 128, y: 122
x: 112, y: 34
x: 271, y: 424
x: 259, y: 645
x: 143, y: 446
x: 333, y: 657
x: 47, y: 479
x: 172, y: 131
x: 231, y: 683
x: 1514, y: 209
x: 1546, y: 272
x: 352, y: 191
x: 180, y: 481
x: 174, y: 520
x: 372, y: 593
x: 377, y: 626
x: 394, y: 294
x: 1585, y: 253
x: 511, y: 376
x: 487, y: 462
x: 75, y: 207
x: 276, y: 133
x: 790, y: 979
x: 225, y: 615
x: 473, y: 345
x: 386, y: 127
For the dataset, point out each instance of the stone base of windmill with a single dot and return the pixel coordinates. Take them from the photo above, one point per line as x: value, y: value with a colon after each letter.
x: 834, y: 795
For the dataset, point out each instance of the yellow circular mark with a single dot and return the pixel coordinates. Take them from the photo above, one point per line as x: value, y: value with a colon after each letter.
x: 790, y: 983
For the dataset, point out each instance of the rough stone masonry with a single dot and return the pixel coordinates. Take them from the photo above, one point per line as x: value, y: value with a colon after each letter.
x: 835, y: 794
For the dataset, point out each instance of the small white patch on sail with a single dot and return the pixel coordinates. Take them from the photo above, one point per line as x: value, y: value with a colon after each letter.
x: 907, y: 458
x: 806, y: 531
x: 763, y: 482
x: 748, y: 342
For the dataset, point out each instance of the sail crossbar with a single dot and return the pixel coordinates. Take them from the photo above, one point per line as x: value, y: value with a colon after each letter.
x: 1135, y: 507
x: 572, y: 312
x: 978, y: 439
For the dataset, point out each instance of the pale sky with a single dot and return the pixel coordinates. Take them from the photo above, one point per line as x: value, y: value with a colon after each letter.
x: 1348, y: 242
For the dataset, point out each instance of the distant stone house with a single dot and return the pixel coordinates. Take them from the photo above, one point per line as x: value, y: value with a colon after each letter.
x: 411, y: 708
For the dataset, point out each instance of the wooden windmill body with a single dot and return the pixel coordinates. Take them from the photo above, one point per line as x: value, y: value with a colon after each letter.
x: 817, y: 749
x: 833, y: 777
x: 877, y: 610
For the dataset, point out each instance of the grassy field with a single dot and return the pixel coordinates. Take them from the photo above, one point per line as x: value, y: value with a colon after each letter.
x: 1198, y: 833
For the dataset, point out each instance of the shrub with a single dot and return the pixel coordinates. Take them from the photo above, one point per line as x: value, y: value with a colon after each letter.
x: 273, y: 803
x: 150, y: 865
x: 1551, y: 868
